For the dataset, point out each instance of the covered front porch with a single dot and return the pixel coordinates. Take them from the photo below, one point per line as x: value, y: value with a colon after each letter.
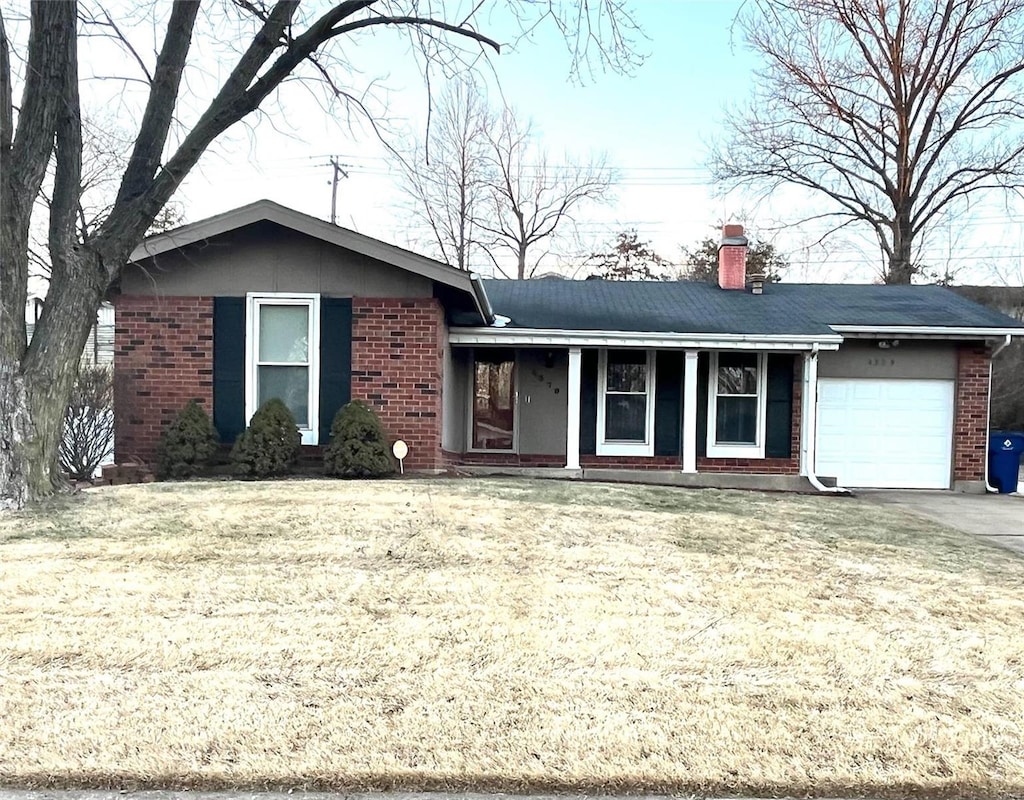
x: 671, y: 410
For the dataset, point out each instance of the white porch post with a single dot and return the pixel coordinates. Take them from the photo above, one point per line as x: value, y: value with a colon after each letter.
x: 572, y: 432
x: 690, y: 412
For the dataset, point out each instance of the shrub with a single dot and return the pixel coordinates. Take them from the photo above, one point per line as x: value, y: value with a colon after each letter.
x: 88, y: 438
x: 270, y: 445
x: 358, y: 448
x: 187, y: 444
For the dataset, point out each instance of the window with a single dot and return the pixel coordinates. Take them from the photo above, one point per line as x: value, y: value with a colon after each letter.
x: 625, y: 409
x: 492, y: 417
x: 736, y: 405
x: 283, y: 357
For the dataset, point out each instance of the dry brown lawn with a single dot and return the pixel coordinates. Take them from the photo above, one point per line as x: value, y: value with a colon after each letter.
x: 508, y: 635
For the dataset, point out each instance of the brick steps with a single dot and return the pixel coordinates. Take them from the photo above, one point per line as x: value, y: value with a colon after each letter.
x: 121, y: 474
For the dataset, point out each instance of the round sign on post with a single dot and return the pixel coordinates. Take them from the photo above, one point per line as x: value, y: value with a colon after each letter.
x: 401, y: 450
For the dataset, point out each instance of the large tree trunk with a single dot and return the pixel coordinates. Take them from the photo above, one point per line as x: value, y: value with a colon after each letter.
x: 15, y: 432
x: 35, y: 391
x: 901, y: 261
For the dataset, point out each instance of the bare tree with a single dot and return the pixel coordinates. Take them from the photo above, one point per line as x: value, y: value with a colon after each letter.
x: 275, y: 42
x: 532, y: 200
x: 486, y: 188
x: 447, y: 188
x: 894, y: 112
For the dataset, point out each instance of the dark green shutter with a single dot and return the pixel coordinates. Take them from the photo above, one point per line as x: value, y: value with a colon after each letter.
x: 668, y: 391
x: 703, y: 368
x: 779, y: 415
x: 335, y: 359
x: 229, y: 367
x: 588, y: 403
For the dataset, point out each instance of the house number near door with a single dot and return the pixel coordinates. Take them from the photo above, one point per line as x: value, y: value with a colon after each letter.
x: 540, y: 379
x: 881, y: 362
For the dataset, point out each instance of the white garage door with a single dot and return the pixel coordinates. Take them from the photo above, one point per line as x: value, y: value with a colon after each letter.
x: 885, y: 433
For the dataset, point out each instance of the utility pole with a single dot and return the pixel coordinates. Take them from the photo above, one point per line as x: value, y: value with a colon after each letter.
x: 338, y: 172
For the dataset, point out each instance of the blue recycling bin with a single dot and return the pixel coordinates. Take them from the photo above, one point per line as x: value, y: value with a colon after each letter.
x: 1005, y: 449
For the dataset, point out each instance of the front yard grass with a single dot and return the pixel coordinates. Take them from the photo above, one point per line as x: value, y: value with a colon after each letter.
x: 507, y: 635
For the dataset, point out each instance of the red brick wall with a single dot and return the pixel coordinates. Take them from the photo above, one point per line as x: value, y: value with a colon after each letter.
x: 970, y: 421
x: 163, y: 357
x: 397, y: 353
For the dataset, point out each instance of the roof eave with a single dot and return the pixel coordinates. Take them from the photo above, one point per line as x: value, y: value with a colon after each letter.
x: 547, y: 337
x: 927, y: 331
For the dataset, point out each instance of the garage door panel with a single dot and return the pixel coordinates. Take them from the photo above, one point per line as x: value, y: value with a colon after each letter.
x: 885, y: 433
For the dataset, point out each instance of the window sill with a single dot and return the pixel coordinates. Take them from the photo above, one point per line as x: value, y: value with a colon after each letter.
x: 734, y: 451
x: 624, y: 449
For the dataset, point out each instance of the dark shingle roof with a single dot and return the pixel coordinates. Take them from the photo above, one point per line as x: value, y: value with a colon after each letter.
x: 696, y: 307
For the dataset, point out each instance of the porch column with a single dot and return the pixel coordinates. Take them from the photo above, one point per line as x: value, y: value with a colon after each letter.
x: 572, y: 428
x: 690, y: 412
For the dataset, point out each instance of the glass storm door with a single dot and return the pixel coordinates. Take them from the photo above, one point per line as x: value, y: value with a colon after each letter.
x: 494, y: 400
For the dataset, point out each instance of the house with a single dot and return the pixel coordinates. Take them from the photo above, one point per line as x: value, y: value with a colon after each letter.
x: 766, y: 385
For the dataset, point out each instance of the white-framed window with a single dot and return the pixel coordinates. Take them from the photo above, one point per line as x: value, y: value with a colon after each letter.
x: 736, y: 405
x: 283, y: 356
x: 493, y: 407
x: 625, y: 402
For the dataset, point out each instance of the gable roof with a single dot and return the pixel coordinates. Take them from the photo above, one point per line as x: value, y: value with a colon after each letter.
x: 268, y: 210
x: 691, y: 307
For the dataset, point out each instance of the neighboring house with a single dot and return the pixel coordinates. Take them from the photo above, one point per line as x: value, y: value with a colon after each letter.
x: 99, y: 348
x: 726, y: 385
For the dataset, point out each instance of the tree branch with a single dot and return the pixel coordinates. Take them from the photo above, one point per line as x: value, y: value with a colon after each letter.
x: 156, y: 119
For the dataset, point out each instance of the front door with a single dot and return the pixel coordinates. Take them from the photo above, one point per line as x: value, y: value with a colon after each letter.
x: 494, y: 400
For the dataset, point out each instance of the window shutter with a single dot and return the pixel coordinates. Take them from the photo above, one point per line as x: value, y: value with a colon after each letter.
x: 668, y: 402
x: 588, y: 402
x: 229, y: 367
x: 703, y: 368
x: 335, y: 359
x: 779, y: 413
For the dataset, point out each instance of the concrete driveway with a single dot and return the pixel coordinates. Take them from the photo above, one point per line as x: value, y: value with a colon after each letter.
x: 998, y: 518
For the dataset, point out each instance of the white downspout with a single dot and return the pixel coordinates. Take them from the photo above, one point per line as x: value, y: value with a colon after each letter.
x: 810, y: 422
x: 988, y: 411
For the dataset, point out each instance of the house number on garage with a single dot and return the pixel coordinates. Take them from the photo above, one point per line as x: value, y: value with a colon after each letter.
x: 881, y: 362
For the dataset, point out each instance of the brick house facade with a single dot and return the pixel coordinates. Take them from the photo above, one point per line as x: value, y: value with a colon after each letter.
x: 397, y: 354
x: 163, y: 357
x: 407, y: 335
x: 970, y: 425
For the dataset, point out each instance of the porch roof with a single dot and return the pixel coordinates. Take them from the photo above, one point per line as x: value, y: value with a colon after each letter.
x: 690, y: 307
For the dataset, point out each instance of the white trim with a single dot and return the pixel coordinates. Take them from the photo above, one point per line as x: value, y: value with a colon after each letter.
x: 639, y: 340
x: 620, y: 448
x: 690, y: 412
x: 927, y: 330
x: 572, y: 428
x: 726, y: 450
x: 471, y: 408
x: 253, y: 301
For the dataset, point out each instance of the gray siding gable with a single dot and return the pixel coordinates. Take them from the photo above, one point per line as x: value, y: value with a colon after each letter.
x: 268, y: 257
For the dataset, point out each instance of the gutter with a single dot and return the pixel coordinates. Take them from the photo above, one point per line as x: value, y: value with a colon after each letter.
x: 927, y: 330
x: 483, y: 302
x: 988, y: 412
x: 810, y: 422
x: 548, y: 337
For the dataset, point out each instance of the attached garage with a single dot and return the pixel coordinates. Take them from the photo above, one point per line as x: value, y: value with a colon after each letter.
x: 885, y: 433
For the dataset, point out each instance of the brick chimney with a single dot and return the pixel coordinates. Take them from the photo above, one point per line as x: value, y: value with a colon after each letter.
x: 732, y: 258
